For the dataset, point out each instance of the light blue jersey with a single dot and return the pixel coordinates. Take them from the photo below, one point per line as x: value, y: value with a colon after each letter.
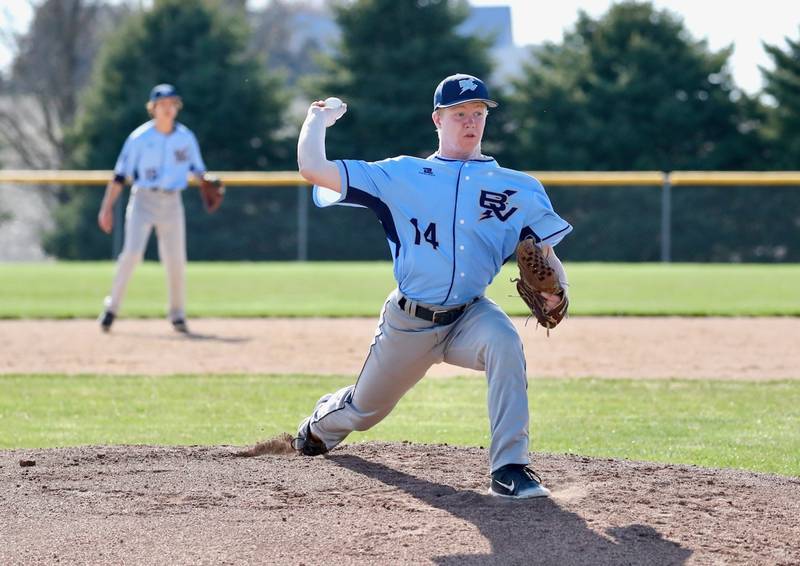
x: 156, y: 160
x: 450, y: 224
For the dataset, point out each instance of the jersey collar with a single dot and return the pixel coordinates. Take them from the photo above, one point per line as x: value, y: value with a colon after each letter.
x: 484, y: 159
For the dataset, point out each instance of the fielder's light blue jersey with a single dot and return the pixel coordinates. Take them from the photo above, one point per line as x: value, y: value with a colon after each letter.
x: 450, y: 224
x: 156, y: 160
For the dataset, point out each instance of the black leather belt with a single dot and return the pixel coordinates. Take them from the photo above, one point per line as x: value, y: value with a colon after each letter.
x: 438, y: 317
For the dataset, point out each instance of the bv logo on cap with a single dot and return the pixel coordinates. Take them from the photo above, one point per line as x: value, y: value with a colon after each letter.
x: 461, y: 88
x: 467, y: 84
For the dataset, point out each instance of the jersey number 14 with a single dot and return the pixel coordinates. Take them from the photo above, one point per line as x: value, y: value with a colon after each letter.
x: 429, y: 234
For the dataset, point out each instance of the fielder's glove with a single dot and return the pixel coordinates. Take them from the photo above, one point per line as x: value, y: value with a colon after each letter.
x: 212, y: 192
x: 536, y: 276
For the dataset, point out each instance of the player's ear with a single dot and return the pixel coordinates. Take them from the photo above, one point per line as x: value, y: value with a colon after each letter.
x: 437, y: 120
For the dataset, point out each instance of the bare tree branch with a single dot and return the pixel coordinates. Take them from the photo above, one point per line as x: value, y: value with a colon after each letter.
x: 52, y: 62
x: 17, y: 139
x: 51, y: 130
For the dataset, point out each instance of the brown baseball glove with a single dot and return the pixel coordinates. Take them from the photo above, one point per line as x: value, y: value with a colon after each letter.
x: 537, y: 277
x: 212, y: 192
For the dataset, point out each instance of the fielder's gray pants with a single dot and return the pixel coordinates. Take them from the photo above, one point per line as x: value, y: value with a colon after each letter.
x: 164, y: 212
x: 403, y: 350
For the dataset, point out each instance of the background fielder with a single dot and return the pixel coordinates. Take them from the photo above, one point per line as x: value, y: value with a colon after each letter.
x: 158, y: 156
x: 451, y: 221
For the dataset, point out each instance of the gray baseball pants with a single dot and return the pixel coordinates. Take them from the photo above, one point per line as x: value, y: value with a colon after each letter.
x: 163, y: 211
x: 403, y: 350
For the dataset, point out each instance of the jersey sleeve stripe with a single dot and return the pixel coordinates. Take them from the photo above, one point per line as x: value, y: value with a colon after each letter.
x: 558, y: 235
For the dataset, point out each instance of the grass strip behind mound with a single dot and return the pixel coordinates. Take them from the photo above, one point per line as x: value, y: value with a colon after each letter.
x: 222, y: 289
x: 735, y: 424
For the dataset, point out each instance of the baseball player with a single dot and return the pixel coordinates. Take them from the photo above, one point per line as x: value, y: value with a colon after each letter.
x: 158, y: 156
x: 451, y: 220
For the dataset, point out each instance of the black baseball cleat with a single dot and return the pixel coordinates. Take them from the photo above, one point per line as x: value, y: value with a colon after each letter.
x: 106, y: 320
x: 180, y: 326
x: 306, y: 443
x: 517, y: 481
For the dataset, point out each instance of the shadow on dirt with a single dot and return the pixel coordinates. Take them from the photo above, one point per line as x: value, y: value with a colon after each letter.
x: 193, y: 336
x: 216, y: 338
x: 528, y: 532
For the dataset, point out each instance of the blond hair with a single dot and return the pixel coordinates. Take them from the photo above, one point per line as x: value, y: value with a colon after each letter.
x: 151, y: 104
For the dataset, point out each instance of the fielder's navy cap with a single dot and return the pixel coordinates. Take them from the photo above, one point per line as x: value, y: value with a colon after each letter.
x: 460, y: 88
x: 163, y: 91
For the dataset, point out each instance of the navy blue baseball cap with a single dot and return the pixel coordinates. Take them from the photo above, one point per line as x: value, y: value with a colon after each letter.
x: 461, y: 88
x: 163, y: 91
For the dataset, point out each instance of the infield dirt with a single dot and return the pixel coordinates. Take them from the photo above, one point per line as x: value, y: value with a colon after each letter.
x: 378, y: 503
x: 687, y: 348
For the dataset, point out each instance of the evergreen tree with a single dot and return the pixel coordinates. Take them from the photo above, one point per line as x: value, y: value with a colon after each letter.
x: 632, y: 90
x: 232, y: 106
x: 783, y: 84
x: 628, y: 91
x: 390, y: 58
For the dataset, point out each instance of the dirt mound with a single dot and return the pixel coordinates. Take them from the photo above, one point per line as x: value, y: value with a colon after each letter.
x: 281, y: 444
x: 382, y: 504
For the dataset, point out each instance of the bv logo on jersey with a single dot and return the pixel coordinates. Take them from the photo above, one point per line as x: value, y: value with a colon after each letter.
x: 467, y: 84
x: 496, y: 205
x: 426, y: 171
x: 182, y: 154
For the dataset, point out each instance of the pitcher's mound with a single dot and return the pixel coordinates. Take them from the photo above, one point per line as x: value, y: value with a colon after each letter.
x: 381, y: 504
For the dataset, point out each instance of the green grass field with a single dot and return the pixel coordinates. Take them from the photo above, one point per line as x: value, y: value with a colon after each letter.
x: 743, y: 425
x: 76, y: 289
x: 746, y: 425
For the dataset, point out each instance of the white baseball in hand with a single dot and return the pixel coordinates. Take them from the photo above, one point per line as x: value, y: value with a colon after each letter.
x: 333, y: 103
x: 333, y: 109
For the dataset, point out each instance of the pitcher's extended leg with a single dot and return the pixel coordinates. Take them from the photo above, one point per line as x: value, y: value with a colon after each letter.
x: 401, y: 353
x: 485, y: 339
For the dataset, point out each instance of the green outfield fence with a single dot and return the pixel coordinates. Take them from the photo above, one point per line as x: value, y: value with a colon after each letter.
x: 662, y: 180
